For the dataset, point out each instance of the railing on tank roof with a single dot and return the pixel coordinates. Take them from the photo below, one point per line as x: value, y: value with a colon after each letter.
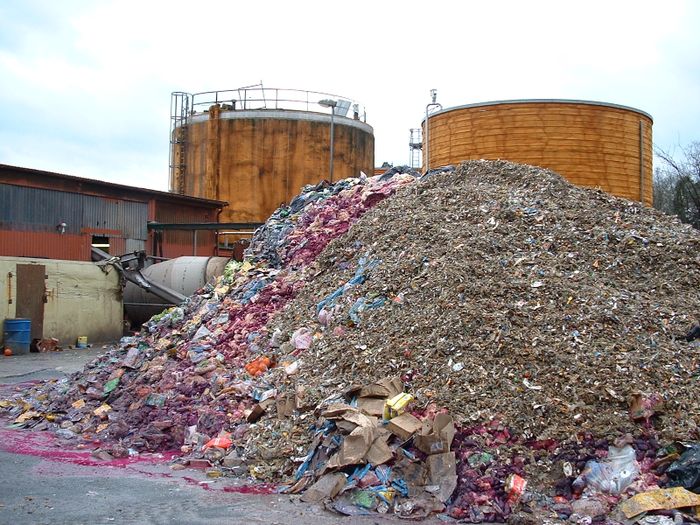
x: 185, y: 105
x: 259, y: 97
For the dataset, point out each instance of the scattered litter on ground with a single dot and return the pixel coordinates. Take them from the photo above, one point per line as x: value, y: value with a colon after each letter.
x: 48, y: 345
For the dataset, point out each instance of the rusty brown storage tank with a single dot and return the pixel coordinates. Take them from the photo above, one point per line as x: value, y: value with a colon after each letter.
x: 256, y: 147
x: 591, y: 144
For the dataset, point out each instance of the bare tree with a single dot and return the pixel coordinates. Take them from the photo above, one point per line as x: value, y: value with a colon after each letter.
x: 664, y: 191
x: 677, y: 184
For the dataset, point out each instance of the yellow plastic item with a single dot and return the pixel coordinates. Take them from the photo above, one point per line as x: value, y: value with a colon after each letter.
x: 396, y: 405
x: 387, y: 495
x: 82, y: 342
x: 101, y: 411
x: 659, y: 499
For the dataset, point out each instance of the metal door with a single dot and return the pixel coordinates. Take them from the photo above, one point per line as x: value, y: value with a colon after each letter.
x: 31, y: 296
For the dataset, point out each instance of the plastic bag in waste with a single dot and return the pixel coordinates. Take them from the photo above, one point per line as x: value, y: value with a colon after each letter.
x: 364, y: 265
x: 302, y: 338
x: 277, y: 338
x: 363, y: 304
x: 324, y: 317
x: 693, y: 333
x: 685, y: 472
x: 202, y: 332
x: 612, y: 474
x: 397, y: 170
x: 223, y: 440
x: 177, y: 314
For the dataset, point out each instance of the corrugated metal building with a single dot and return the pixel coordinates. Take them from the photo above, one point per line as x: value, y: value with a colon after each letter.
x: 56, y: 216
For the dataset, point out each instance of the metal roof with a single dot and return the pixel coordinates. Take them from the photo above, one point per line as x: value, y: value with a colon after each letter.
x: 113, y: 186
x: 542, y: 101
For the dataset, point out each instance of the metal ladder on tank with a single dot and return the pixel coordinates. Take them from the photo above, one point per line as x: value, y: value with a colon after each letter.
x: 179, y: 113
x: 415, y: 145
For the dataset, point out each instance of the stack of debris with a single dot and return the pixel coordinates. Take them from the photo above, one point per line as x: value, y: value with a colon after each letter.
x: 551, y: 322
x: 502, y: 290
x: 365, y: 430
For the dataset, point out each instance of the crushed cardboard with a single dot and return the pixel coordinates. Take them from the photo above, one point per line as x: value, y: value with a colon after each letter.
x: 436, y: 436
x: 326, y: 487
x: 404, y: 426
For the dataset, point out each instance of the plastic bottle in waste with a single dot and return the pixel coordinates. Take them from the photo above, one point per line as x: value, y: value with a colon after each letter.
x: 612, y: 474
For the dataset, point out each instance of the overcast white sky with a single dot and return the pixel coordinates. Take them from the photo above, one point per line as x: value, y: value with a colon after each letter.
x: 85, y: 85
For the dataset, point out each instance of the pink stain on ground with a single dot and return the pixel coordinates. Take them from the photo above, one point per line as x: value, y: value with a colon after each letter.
x: 257, y: 489
x: 44, y: 445
x: 262, y: 488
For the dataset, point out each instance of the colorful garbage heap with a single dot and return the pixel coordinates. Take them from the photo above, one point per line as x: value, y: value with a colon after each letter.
x: 141, y: 393
x: 488, y: 342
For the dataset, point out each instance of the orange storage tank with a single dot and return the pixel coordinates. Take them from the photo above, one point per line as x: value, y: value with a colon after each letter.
x: 591, y: 144
x: 257, y: 158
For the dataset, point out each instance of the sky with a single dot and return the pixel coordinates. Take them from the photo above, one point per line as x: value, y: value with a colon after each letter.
x: 85, y: 85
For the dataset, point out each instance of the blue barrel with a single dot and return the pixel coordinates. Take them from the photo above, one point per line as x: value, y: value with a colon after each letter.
x: 17, y: 335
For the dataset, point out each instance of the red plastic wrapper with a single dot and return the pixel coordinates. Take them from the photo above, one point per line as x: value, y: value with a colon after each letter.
x: 515, y: 487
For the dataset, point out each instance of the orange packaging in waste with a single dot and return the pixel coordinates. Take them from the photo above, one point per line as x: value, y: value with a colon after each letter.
x: 221, y: 441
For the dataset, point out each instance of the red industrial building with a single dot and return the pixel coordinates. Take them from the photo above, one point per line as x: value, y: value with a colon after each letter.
x: 55, y: 216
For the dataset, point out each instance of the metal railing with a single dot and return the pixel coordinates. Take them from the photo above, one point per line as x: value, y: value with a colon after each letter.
x: 183, y: 106
x: 259, y: 97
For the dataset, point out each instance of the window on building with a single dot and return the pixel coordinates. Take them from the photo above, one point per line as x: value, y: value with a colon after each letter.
x: 100, y: 242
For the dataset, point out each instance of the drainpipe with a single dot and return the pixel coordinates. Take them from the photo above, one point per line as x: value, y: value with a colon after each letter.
x: 216, y: 233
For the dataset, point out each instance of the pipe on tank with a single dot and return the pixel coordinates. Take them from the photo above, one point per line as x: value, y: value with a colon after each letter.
x: 433, y: 104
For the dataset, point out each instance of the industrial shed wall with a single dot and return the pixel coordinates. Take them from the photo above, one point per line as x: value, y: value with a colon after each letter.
x: 259, y: 159
x: 33, y: 203
x: 29, y: 219
x: 176, y: 243
x: 590, y: 144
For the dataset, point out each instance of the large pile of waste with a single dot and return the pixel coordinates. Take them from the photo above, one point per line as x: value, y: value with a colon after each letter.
x: 504, y: 291
x: 484, y: 329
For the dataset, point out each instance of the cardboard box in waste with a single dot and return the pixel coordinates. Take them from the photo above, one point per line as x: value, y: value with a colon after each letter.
x: 414, y: 473
x: 380, y: 452
x: 354, y: 448
x: 404, y: 426
x: 327, y: 486
x: 286, y: 405
x: 659, y: 499
x: 256, y: 413
x: 436, y: 437
x: 442, y: 474
x: 341, y: 411
x: 373, y: 406
x: 396, y: 405
x: 385, y: 388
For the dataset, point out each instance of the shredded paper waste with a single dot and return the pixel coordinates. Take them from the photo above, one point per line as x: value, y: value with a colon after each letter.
x: 488, y: 342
